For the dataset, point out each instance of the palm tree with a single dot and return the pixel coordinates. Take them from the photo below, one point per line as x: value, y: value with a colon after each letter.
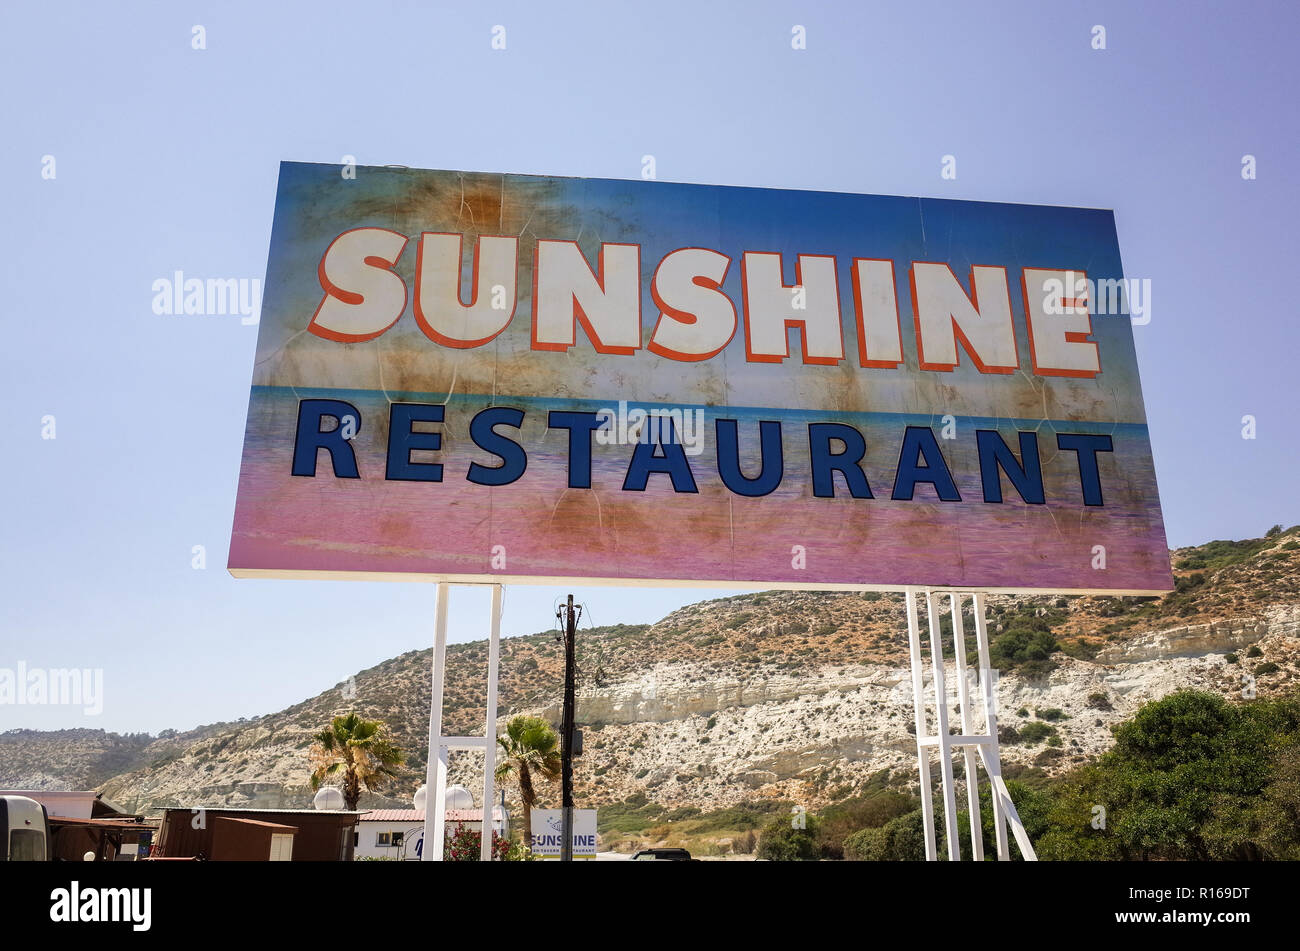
x: 360, y: 750
x: 531, y: 749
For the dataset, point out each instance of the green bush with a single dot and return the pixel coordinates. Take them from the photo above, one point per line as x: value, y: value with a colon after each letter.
x: 843, y: 819
x: 680, y: 813
x: 1021, y: 647
x: 866, y: 845
x: 1221, y: 554
x: 899, y: 840
x: 634, y: 814
x: 780, y: 841
x: 746, y: 815
x: 1035, y: 732
x: 1191, y: 777
x: 902, y: 839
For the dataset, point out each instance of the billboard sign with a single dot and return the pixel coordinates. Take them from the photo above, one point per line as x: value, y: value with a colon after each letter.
x: 509, y: 378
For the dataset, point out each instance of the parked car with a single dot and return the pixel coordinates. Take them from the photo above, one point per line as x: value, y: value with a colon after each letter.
x: 663, y: 855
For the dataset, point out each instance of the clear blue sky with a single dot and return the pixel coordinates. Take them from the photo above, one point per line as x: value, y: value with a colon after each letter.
x: 166, y: 159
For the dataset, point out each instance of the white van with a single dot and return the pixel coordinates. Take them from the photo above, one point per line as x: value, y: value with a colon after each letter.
x: 24, y: 830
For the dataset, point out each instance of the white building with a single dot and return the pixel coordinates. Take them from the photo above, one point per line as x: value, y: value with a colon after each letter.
x: 395, y: 833
x: 78, y: 804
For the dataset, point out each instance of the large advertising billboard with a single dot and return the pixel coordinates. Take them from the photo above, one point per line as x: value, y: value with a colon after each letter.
x: 510, y: 378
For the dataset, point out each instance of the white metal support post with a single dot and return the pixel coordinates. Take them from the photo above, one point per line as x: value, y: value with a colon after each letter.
x: 435, y: 779
x: 435, y: 814
x: 922, y: 727
x: 969, y: 741
x: 990, y: 719
x: 943, y: 737
x: 490, y: 727
x: 967, y: 729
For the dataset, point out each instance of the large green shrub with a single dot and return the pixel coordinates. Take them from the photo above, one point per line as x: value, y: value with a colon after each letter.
x: 901, y: 839
x: 1191, y: 776
x: 783, y: 841
x: 866, y: 845
x: 843, y: 819
x: 1028, y: 644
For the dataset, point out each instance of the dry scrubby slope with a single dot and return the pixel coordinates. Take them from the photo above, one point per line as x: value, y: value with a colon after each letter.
x: 793, y: 695
x: 62, y: 759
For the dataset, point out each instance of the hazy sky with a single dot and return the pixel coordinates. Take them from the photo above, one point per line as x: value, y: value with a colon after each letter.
x: 165, y: 158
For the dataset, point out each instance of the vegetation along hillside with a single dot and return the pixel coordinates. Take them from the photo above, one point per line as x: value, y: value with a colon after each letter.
x: 704, y: 726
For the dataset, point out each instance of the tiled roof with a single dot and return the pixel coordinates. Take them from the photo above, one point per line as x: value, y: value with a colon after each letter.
x: 416, y: 815
x: 212, y: 810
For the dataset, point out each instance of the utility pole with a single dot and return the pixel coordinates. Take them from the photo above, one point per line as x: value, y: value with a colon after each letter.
x: 569, y: 617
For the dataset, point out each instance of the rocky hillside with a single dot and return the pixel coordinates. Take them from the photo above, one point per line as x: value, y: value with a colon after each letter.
x: 67, y: 759
x: 798, y: 696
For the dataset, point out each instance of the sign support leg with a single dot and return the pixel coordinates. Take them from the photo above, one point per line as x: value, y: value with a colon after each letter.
x: 990, y: 719
x: 922, y: 727
x: 969, y: 742
x: 944, y: 739
x: 490, y: 727
x: 435, y: 809
x: 967, y: 729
